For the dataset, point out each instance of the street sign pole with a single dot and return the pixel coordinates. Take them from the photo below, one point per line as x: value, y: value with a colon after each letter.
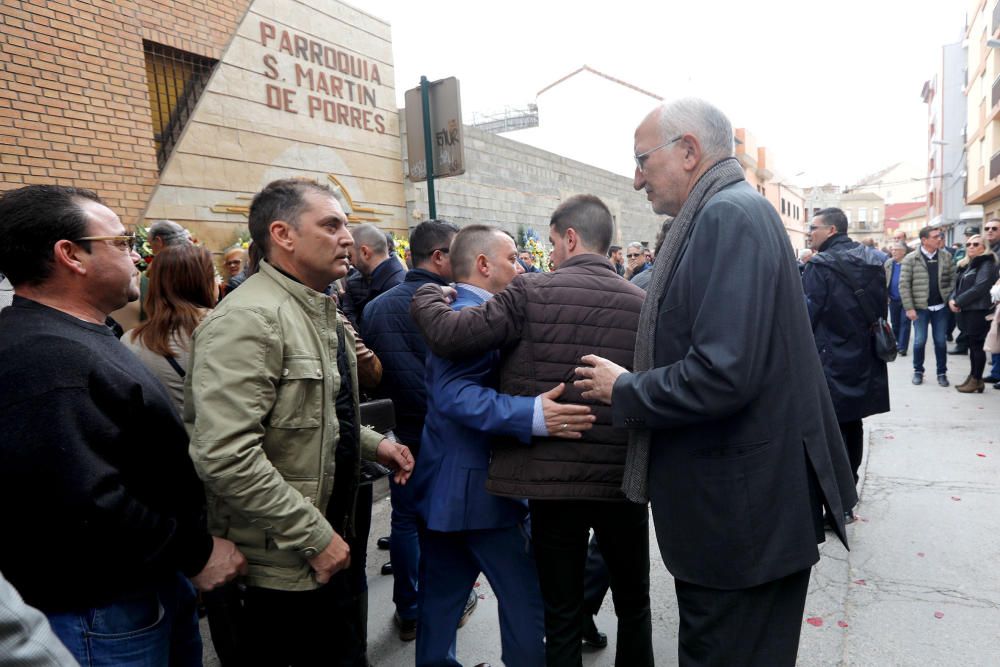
x: 425, y: 99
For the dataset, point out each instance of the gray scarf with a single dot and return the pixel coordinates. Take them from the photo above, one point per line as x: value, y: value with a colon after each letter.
x: 722, y: 174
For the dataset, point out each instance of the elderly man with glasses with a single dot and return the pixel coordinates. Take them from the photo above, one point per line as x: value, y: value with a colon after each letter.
x: 635, y: 260
x: 102, y: 505
x: 925, y: 281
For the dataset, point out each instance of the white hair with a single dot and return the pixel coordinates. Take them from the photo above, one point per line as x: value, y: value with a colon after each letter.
x: 804, y: 254
x: 703, y: 120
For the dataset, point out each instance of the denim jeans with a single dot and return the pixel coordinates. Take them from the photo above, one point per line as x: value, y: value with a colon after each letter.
x: 404, y: 549
x: 995, y: 362
x: 938, y: 320
x: 900, y: 324
x: 156, y: 627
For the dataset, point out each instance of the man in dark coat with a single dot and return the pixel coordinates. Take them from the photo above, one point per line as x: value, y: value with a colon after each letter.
x: 858, y: 380
x: 377, y: 272
x: 389, y: 331
x: 734, y: 437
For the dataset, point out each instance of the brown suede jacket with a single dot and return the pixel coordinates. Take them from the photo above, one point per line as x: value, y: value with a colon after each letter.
x: 544, y: 323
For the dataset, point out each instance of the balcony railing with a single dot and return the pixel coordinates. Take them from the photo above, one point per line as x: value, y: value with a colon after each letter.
x: 995, y: 166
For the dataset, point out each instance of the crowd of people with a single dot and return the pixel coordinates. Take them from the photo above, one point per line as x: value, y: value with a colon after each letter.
x: 219, y: 457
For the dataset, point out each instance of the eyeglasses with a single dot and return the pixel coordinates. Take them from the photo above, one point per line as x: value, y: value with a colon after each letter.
x: 234, y: 262
x: 124, y: 242
x: 991, y: 229
x: 973, y: 245
x: 813, y: 228
x: 640, y: 159
x: 633, y: 255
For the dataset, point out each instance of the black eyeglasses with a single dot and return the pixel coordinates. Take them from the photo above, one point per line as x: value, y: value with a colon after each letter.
x: 991, y: 229
x: 124, y: 242
x: 633, y: 255
x: 973, y: 245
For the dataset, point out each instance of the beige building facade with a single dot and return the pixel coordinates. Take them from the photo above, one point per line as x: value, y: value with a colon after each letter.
x: 760, y: 172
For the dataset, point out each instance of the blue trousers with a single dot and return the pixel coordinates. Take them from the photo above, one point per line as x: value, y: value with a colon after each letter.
x: 995, y: 361
x: 938, y: 320
x: 155, y: 627
x: 900, y: 324
x: 404, y: 549
x: 449, y: 565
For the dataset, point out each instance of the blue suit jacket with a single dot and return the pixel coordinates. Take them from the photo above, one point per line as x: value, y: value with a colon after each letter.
x: 463, y: 411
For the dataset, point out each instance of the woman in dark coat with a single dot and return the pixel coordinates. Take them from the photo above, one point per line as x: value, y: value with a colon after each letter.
x: 971, y: 302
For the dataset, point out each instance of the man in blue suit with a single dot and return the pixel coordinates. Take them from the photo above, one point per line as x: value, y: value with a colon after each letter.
x: 466, y: 529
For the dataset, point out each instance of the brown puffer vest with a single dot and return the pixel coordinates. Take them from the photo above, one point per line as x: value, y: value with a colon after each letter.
x: 583, y: 308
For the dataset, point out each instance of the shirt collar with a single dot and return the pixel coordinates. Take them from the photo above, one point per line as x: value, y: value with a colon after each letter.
x: 478, y: 291
x: 928, y: 255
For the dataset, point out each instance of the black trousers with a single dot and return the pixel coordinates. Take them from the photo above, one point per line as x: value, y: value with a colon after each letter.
x: 975, y: 327
x: 241, y: 620
x: 747, y: 627
x: 853, y: 433
x: 559, y: 533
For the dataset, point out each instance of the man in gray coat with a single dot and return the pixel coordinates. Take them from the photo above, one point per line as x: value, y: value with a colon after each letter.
x: 733, y: 434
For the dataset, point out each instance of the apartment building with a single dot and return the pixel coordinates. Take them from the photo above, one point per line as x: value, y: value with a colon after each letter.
x: 982, y: 143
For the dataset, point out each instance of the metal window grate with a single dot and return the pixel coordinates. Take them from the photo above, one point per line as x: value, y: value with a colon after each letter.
x: 176, y: 80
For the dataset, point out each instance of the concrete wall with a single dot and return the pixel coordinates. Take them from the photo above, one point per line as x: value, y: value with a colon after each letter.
x: 510, y: 184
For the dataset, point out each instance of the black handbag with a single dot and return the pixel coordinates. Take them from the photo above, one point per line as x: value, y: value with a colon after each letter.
x: 883, y: 339
x: 380, y: 416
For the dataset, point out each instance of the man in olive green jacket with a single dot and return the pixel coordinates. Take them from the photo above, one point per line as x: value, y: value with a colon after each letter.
x: 271, y: 402
x: 926, y: 278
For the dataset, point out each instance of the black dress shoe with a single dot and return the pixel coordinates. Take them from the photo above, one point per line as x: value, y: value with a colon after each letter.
x: 407, y: 627
x: 990, y: 379
x: 592, y: 636
x: 943, y: 380
x: 387, y: 568
x: 902, y: 353
x: 383, y: 543
x: 997, y: 385
x: 958, y: 350
x: 918, y: 378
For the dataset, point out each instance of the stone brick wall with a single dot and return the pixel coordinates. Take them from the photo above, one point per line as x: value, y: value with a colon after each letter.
x: 74, y: 103
x: 510, y: 184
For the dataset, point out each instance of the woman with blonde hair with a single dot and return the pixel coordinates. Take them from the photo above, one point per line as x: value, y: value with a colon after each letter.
x: 181, y: 291
x: 971, y: 302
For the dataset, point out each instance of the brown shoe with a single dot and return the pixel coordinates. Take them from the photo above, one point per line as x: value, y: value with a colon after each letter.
x: 972, y: 386
x: 966, y: 382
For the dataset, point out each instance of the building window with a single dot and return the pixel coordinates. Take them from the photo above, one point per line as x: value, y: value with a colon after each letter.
x: 862, y: 215
x: 176, y: 80
x: 874, y: 217
x: 782, y: 206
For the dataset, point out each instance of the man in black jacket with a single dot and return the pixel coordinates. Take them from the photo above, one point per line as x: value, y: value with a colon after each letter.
x: 734, y: 438
x: 376, y: 271
x: 842, y: 324
x: 101, y: 502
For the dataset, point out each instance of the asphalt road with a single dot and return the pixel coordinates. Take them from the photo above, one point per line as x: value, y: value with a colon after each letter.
x: 920, y: 586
